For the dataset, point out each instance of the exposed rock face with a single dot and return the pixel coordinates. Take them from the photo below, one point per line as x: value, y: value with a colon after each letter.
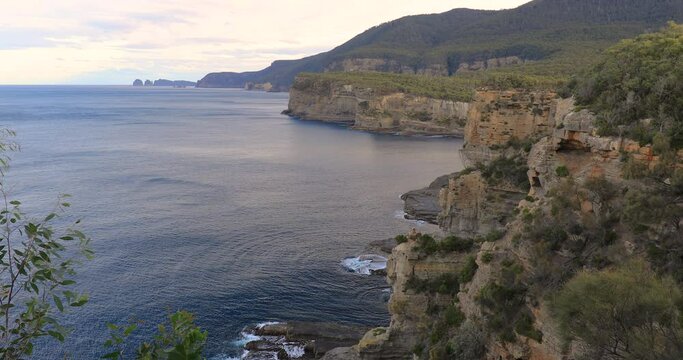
x: 314, y: 339
x: 149, y: 83
x: 410, y: 319
x: 258, y: 87
x: 384, y: 65
x: 492, y: 63
x: 471, y: 207
x: 496, y: 117
x: 423, y: 204
x: 137, y: 82
x: 465, y: 204
x: 367, y: 110
x: 576, y: 146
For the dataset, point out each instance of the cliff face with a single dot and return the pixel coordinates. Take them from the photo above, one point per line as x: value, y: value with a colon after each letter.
x: 470, y: 206
x: 368, y: 109
x: 386, y: 65
x: 434, y: 69
x: 500, y: 213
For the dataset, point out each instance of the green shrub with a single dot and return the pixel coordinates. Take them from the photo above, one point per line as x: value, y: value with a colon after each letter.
x: 468, y: 270
x: 525, y: 326
x: 418, y: 349
x: 39, y: 256
x: 469, y: 343
x: 487, y: 257
x: 637, y: 79
x: 601, y: 188
x: 426, y: 244
x: 494, y: 235
x: 506, y: 169
x: 453, y: 243
x: 400, y: 239
x: 502, y: 304
x: 677, y: 182
x: 633, y: 169
x: 444, y: 284
x: 648, y: 209
x: 627, y: 312
x: 453, y: 316
x: 378, y: 331
x: 179, y: 339
x: 562, y: 171
x: 439, y: 331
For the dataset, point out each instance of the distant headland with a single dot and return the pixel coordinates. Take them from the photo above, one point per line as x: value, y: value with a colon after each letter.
x: 165, y: 82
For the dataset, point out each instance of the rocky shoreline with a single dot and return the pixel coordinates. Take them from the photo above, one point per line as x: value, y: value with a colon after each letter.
x: 514, y: 142
x: 298, y: 340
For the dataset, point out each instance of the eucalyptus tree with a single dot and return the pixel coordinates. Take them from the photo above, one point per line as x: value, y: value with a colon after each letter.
x: 38, y: 258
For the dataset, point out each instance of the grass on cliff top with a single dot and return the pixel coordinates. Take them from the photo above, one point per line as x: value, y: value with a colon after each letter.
x: 455, y: 88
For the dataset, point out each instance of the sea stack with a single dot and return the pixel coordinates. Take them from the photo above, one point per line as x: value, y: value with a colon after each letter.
x: 137, y: 82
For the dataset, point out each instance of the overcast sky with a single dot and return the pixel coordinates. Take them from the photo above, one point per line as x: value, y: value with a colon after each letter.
x: 116, y: 41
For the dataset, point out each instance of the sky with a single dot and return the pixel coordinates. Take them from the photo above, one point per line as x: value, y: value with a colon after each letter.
x: 116, y: 41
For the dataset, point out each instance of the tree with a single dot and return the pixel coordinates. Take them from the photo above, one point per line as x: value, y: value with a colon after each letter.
x: 638, y: 79
x: 37, y: 268
x: 179, y: 339
x: 622, y: 313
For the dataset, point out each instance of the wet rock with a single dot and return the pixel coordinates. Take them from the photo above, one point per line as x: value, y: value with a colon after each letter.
x: 301, y: 339
x: 343, y: 353
x: 423, y: 204
x: 383, y: 246
x: 366, y: 264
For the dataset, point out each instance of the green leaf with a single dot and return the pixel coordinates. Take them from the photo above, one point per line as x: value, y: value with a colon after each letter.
x: 113, y: 355
x: 58, y: 302
x: 29, y: 349
x: 81, y: 301
x: 57, y: 335
x: 50, y: 217
x: 15, y: 202
x: 130, y: 329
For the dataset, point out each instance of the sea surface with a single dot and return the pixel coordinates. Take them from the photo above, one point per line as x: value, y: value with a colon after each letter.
x: 211, y: 201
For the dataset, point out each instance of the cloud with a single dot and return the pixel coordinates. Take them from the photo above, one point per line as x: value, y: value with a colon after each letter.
x: 71, y: 41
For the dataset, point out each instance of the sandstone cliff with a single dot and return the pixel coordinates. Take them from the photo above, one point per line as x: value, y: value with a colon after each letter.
x: 369, y: 109
x: 386, y: 65
x: 537, y: 166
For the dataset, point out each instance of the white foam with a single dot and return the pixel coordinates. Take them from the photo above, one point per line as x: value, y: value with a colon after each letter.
x: 264, y: 324
x: 365, y: 264
x: 294, y: 350
x: 401, y: 215
x: 223, y: 357
x: 246, y: 337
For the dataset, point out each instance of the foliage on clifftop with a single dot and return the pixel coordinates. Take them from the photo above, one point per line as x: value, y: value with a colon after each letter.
x: 638, y: 79
x: 454, y: 88
x: 630, y: 313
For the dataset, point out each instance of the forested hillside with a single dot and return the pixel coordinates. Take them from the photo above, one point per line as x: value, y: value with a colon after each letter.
x: 544, y: 37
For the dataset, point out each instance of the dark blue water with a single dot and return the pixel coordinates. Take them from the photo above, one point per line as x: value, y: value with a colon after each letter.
x: 211, y: 201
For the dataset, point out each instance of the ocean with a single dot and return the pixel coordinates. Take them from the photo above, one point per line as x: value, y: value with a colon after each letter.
x: 210, y: 200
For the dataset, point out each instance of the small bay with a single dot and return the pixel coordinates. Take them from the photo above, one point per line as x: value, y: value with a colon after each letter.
x: 211, y: 201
